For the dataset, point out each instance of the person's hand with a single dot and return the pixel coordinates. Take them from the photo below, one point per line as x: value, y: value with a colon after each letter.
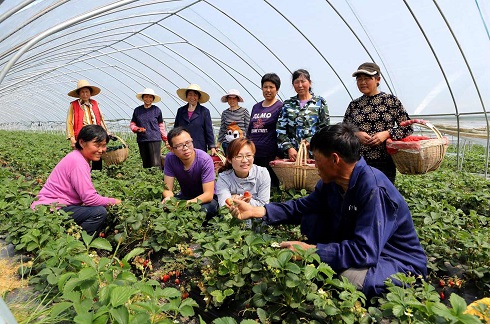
x: 240, y: 209
x: 363, y: 137
x: 246, y: 197
x: 213, y: 151
x: 293, y: 154
x: 118, y: 201
x: 378, y: 138
x: 73, y: 142
x: 166, y: 199
x: 306, y: 143
x: 291, y: 245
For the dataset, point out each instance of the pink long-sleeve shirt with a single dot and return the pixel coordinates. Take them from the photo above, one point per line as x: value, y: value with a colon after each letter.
x: 70, y: 184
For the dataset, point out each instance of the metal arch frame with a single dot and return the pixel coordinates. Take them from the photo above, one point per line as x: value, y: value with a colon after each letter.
x: 374, y: 47
x: 37, y: 16
x: 13, y: 10
x: 441, y: 69
x: 53, y: 30
x: 148, y: 25
x: 85, y: 58
x: 251, y: 34
x: 476, y: 87
x: 102, y: 23
x: 229, y: 49
x: 55, y: 49
x: 312, y: 45
x: 393, y: 91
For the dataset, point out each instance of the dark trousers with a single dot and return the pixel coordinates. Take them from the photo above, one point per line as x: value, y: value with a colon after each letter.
x: 90, y: 218
x: 97, y: 165
x: 150, y: 153
x: 386, y: 166
x: 264, y: 162
x: 224, y: 146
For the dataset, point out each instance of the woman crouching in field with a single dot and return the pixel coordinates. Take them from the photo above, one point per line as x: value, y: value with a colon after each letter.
x: 70, y: 186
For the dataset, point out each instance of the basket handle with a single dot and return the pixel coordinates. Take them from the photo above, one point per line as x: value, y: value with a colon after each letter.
x: 301, y: 159
x: 426, y: 124
x: 221, y: 156
x: 120, y: 139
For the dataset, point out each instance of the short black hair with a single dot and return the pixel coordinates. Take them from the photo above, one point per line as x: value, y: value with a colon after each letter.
x: 271, y: 77
x: 301, y: 72
x: 91, y: 132
x: 339, y: 138
x: 176, y: 131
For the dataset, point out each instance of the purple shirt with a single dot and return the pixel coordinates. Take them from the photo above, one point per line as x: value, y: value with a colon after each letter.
x: 148, y: 118
x: 201, y: 171
x: 262, y: 129
x: 70, y: 184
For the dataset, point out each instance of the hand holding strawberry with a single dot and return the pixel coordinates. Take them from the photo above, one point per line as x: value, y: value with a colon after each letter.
x: 247, y: 196
x: 229, y: 202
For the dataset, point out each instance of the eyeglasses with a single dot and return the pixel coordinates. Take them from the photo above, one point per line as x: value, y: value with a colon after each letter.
x: 181, y: 146
x: 247, y: 157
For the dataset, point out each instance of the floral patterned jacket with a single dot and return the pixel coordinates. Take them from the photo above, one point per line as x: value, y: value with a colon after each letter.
x: 378, y: 113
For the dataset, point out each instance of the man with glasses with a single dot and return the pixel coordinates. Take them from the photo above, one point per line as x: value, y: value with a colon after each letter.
x: 193, y: 168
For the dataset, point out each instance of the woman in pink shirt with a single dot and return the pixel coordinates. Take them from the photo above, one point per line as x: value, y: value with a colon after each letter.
x: 70, y: 186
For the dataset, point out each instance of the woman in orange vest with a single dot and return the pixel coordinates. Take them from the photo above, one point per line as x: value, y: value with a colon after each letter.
x: 83, y: 111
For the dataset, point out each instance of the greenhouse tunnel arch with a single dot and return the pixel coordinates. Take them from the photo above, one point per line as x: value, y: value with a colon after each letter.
x: 432, y: 54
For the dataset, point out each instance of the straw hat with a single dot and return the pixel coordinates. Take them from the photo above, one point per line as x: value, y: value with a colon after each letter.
x: 84, y: 84
x: 181, y: 93
x: 232, y: 92
x: 148, y: 91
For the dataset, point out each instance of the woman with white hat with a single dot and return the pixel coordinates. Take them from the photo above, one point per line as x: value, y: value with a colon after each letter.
x: 196, y: 118
x: 147, y: 123
x: 234, y: 113
x: 83, y: 111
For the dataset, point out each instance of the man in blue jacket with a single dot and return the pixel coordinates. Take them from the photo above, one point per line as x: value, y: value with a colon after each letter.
x: 356, y: 219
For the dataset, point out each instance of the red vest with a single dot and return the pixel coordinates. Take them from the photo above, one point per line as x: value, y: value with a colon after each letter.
x: 78, y: 114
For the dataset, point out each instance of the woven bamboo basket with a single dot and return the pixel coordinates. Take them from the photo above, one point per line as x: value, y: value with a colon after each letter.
x: 116, y: 154
x: 218, y: 160
x: 421, y: 156
x: 301, y: 174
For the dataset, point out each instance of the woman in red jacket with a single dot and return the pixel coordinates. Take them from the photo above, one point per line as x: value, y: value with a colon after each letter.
x: 83, y: 111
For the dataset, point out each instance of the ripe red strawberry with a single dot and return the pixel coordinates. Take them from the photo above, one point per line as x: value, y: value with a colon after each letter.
x: 177, y: 281
x: 441, y: 294
x: 442, y: 283
x: 229, y: 201
x: 102, y: 234
x: 165, y: 278
x: 450, y: 283
x: 177, y: 273
x: 185, y: 295
x: 247, y: 194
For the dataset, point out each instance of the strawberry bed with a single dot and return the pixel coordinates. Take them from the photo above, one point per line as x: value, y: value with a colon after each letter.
x: 226, y: 270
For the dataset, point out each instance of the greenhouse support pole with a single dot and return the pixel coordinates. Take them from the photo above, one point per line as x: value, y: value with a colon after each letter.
x: 15, y: 9
x: 55, y: 29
